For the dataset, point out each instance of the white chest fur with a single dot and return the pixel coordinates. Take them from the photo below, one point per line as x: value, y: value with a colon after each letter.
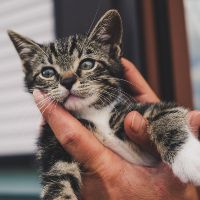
x: 100, y: 118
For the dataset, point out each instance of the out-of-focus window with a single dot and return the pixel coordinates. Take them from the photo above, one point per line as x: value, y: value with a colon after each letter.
x: 19, y: 117
x: 192, y: 14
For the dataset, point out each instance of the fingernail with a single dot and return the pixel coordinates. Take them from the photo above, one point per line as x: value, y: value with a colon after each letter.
x: 137, y: 122
x: 197, y: 113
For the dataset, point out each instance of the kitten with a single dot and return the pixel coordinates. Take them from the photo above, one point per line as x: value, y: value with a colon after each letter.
x: 83, y: 73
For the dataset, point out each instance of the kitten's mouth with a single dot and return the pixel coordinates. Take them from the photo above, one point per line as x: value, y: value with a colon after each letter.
x: 72, y: 97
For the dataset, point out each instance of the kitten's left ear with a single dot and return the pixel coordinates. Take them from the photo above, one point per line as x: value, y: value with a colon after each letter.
x: 108, y: 32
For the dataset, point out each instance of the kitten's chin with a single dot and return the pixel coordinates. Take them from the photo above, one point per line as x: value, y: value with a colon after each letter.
x: 74, y: 103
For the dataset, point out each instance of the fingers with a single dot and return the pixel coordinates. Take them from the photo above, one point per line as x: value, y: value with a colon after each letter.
x: 194, y: 121
x: 74, y: 137
x: 140, y: 89
x: 136, y: 128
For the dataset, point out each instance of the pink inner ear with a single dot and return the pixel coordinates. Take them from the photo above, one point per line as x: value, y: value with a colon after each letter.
x: 105, y: 37
x: 26, y: 54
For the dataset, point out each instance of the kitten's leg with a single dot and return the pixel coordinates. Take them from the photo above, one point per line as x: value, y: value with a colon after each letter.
x: 60, y: 174
x: 168, y: 128
x: 61, y: 181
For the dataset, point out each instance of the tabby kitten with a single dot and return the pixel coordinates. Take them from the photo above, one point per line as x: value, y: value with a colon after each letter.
x: 83, y: 73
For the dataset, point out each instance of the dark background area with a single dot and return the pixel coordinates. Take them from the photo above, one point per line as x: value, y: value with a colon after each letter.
x: 80, y: 17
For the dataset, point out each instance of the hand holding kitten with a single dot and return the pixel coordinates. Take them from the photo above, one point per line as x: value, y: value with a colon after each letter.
x: 116, y: 179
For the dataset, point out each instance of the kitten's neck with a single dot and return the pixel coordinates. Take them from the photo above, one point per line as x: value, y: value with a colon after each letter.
x: 93, y: 109
x: 90, y: 112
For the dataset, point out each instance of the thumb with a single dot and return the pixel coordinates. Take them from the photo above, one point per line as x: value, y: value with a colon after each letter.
x: 194, y: 122
x: 135, y: 126
x: 72, y: 135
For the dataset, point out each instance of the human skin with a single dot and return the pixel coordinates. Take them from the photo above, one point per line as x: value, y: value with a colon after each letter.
x: 105, y: 175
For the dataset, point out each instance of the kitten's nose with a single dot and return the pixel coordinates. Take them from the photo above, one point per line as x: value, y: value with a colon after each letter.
x: 68, y: 82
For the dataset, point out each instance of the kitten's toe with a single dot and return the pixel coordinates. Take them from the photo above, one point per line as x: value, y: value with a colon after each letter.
x: 186, y: 165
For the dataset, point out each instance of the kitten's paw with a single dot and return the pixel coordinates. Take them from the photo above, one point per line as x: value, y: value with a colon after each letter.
x: 186, y: 165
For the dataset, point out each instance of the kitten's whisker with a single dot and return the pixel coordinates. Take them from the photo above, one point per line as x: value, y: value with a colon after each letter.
x: 98, y: 96
x: 87, y: 33
x: 35, y: 111
x: 16, y: 113
x: 110, y: 102
x: 101, y: 95
x: 94, y: 18
x: 28, y: 101
x: 121, y: 99
x: 118, y: 79
x: 21, y: 122
x: 44, y: 103
x: 116, y: 89
x: 113, y: 95
x: 42, y: 51
x: 51, y: 108
x: 123, y: 93
x: 20, y: 110
x: 116, y: 97
x: 47, y: 107
x: 101, y: 101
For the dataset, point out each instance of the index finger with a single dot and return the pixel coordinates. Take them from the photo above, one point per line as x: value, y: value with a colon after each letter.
x: 72, y: 135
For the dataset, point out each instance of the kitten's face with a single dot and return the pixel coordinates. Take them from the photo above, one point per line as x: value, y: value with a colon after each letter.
x: 78, y: 71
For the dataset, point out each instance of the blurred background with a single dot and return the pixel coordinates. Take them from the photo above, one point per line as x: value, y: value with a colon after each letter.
x: 161, y: 37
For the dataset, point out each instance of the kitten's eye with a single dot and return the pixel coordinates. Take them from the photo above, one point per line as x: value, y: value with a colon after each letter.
x: 48, y: 72
x: 87, y: 65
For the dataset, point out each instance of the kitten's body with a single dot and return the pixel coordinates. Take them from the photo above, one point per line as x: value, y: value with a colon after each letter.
x: 83, y: 73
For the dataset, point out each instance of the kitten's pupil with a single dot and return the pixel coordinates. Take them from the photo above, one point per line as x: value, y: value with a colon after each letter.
x: 48, y: 72
x: 87, y: 65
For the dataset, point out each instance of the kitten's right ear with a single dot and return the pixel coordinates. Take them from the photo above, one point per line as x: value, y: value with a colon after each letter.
x: 26, y: 48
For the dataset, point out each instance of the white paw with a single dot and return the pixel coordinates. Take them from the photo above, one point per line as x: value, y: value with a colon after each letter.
x: 186, y: 165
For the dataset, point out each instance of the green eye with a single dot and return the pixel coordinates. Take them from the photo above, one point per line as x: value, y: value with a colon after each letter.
x: 48, y: 72
x: 87, y: 65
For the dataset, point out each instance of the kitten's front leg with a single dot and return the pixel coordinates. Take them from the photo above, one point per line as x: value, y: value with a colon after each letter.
x: 60, y: 174
x: 168, y: 128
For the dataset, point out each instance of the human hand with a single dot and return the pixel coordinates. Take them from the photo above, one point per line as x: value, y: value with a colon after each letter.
x: 105, y: 174
x: 138, y: 87
x: 142, y: 92
x: 138, y: 132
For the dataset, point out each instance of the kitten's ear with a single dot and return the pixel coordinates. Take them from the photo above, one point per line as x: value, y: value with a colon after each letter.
x: 26, y: 48
x: 108, y: 32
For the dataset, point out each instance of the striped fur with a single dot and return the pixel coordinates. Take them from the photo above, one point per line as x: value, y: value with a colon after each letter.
x: 96, y: 99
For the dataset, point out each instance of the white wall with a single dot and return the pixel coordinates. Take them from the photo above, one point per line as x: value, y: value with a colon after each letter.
x: 19, y: 117
x: 192, y: 14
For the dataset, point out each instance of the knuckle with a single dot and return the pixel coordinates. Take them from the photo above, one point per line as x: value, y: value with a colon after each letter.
x: 70, y: 137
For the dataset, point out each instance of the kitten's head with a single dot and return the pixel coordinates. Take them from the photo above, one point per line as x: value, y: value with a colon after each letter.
x: 77, y: 71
